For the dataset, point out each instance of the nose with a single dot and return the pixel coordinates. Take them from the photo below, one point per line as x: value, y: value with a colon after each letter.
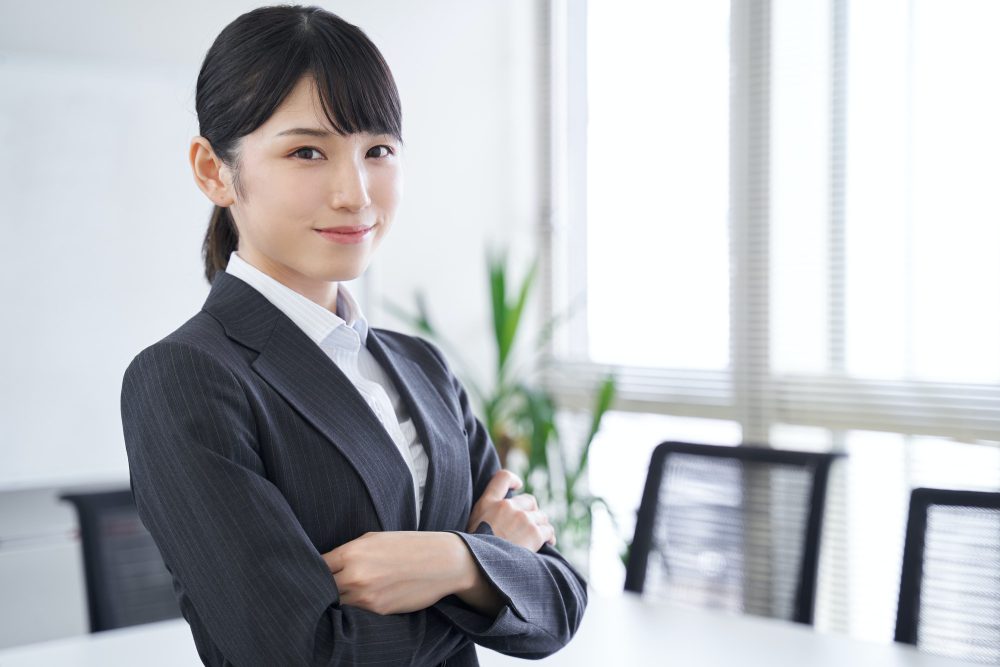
x: 350, y: 187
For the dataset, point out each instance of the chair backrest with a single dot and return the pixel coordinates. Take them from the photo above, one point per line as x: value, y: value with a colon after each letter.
x: 949, y: 590
x: 127, y: 582
x: 736, y: 528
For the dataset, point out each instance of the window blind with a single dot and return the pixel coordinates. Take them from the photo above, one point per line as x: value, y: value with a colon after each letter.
x: 860, y: 249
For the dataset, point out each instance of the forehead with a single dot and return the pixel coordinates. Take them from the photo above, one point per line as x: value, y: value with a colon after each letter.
x: 302, y: 105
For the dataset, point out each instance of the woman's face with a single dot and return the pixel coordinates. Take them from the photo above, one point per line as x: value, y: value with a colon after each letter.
x: 298, y: 176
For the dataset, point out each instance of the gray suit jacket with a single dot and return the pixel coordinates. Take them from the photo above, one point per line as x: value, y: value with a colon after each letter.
x: 251, y: 454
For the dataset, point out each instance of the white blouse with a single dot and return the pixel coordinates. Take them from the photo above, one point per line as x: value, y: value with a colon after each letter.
x: 344, y: 342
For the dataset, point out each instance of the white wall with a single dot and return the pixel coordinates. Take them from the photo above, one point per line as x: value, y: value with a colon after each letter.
x: 101, y: 224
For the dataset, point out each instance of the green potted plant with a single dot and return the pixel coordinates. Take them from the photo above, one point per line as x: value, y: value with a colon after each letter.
x: 520, y: 415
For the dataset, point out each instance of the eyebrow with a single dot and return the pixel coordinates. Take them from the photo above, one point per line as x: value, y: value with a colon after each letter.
x: 319, y: 132
x: 307, y: 131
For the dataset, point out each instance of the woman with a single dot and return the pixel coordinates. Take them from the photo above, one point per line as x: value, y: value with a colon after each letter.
x: 321, y: 491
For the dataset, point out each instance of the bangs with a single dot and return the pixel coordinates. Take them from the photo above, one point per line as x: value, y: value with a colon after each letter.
x: 254, y: 69
x: 354, y: 83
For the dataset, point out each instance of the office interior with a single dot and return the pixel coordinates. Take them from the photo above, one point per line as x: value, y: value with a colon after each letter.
x: 772, y: 223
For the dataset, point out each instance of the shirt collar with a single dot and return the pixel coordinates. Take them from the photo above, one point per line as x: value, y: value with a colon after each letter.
x: 320, y: 324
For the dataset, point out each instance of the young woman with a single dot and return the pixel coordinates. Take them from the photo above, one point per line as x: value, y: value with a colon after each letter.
x: 321, y: 490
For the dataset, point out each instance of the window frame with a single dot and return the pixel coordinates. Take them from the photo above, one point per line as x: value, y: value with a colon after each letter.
x: 749, y: 392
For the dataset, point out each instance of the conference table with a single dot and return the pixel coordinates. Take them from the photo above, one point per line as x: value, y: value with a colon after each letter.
x: 623, y: 629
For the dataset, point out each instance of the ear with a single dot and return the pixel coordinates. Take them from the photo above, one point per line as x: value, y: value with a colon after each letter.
x: 212, y: 176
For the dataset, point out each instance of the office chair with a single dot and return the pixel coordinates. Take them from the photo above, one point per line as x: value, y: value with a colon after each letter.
x: 949, y: 590
x: 735, y: 528
x: 127, y: 582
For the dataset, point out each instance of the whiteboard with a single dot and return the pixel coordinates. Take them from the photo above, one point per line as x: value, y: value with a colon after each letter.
x: 101, y: 226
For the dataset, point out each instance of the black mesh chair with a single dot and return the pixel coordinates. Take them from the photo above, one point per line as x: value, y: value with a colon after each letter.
x: 735, y: 528
x: 127, y: 582
x: 949, y: 591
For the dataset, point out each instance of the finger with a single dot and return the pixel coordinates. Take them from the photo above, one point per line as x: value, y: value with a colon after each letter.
x: 334, y: 560
x: 343, y: 592
x: 525, y: 501
x: 544, y: 528
x: 548, y: 534
x: 500, y: 483
x: 348, y: 598
x: 538, y: 517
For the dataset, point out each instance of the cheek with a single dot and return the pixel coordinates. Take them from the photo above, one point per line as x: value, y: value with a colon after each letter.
x: 281, y: 202
x: 289, y: 192
x: 386, y: 189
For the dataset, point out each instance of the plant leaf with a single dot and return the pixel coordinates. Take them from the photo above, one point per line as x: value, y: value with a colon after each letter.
x: 541, y: 413
x: 418, y: 321
x: 605, y: 396
x: 514, y: 312
x: 498, y: 296
x: 422, y: 323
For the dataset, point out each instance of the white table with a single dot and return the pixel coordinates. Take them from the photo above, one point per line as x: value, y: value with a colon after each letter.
x: 620, y: 630
x: 163, y: 644
x: 626, y: 630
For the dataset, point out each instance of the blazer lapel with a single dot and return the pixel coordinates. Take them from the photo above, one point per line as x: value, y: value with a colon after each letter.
x: 316, y: 387
x: 448, y: 471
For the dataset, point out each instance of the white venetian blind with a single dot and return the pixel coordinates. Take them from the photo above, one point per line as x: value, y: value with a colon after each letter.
x: 787, y: 221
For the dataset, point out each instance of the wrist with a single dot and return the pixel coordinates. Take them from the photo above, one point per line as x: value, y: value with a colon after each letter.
x: 461, y: 566
x: 470, y: 584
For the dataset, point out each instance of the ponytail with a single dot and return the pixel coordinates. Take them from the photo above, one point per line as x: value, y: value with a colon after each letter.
x: 220, y: 240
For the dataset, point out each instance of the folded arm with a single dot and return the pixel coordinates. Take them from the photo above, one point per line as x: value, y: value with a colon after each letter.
x: 545, y: 597
x: 399, y: 571
x: 228, y: 535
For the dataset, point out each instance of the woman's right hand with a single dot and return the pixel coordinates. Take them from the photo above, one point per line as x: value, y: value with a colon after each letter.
x: 516, y: 519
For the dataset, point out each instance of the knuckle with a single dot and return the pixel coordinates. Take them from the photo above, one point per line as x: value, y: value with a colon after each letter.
x: 355, y: 578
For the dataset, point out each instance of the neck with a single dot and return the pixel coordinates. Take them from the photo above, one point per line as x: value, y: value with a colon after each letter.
x: 322, y: 292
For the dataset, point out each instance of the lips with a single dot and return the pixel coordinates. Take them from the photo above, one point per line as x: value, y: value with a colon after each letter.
x: 354, y: 229
x: 346, y: 234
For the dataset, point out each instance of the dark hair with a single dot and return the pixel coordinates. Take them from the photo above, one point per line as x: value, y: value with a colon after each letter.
x: 252, y: 67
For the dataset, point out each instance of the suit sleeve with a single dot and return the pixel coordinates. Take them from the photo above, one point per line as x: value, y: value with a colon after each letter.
x: 229, y: 536
x: 546, y: 597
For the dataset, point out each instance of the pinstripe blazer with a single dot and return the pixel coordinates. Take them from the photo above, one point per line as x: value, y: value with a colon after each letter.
x: 251, y: 454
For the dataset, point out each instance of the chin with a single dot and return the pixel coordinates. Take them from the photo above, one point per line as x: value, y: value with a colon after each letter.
x: 342, y: 274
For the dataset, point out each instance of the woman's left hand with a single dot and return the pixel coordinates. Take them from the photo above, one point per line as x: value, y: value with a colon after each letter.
x: 517, y: 519
x: 396, y: 572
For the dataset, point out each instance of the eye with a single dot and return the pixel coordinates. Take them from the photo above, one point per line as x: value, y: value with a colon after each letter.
x: 378, y: 150
x: 305, y: 149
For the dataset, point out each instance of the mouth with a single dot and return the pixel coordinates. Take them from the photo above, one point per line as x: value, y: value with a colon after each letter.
x: 346, y: 234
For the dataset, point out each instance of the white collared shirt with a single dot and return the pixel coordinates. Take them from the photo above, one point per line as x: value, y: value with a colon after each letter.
x: 344, y: 342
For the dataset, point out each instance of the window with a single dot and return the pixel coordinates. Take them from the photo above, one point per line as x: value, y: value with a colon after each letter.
x: 657, y: 141
x: 783, y: 215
